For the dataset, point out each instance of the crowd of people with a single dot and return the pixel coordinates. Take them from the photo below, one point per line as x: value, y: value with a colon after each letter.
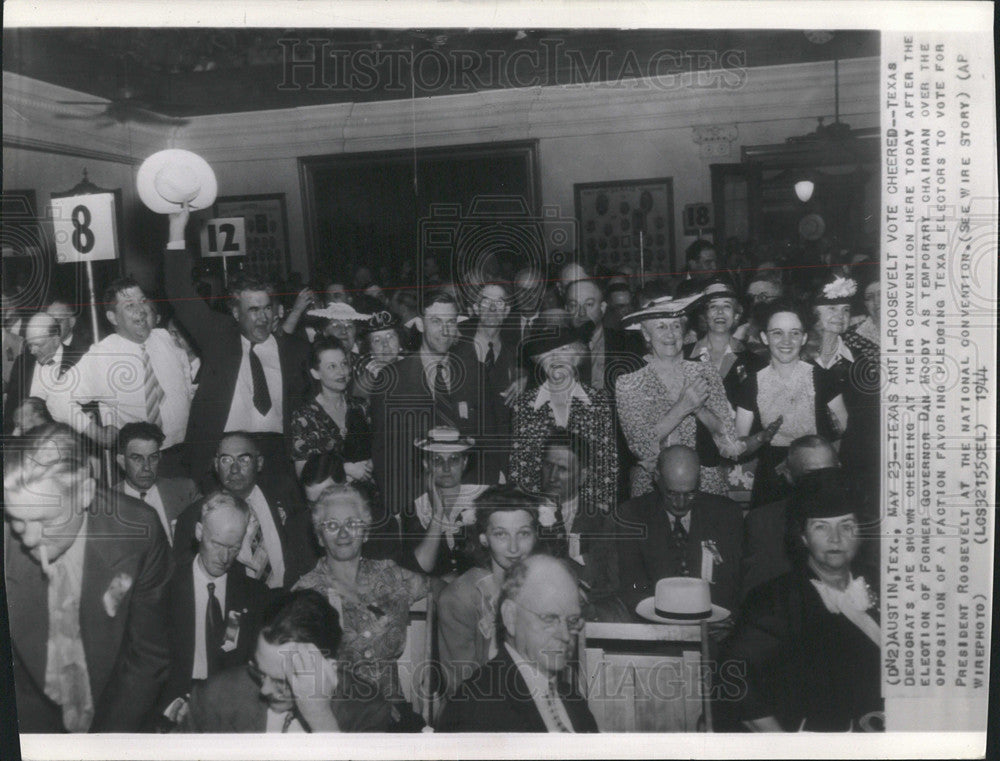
x: 221, y: 524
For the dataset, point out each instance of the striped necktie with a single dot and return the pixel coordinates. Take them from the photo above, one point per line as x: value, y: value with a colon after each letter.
x: 153, y: 390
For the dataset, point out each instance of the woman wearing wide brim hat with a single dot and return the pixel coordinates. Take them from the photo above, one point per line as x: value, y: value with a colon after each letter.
x: 434, y: 535
x: 169, y: 179
x: 561, y: 401
x: 666, y: 401
x: 810, y: 639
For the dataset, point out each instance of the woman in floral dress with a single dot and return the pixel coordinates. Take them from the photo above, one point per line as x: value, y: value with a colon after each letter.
x: 373, y: 597
x: 333, y: 421
x: 561, y: 401
x: 664, y: 402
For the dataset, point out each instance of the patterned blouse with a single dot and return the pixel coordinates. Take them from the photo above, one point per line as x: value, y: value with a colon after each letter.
x: 594, y: 420
x: 314, y: 432
x: 643, y: 400
x: 375, y: 628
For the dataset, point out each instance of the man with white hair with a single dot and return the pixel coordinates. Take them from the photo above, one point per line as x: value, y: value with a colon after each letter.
x: 40, y: 371
x: 521, y: 689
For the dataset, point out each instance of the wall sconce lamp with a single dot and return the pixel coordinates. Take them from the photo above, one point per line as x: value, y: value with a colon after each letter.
x: 804, y: 189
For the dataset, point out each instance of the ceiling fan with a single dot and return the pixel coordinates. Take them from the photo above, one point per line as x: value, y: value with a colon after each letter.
x: 127, y: 106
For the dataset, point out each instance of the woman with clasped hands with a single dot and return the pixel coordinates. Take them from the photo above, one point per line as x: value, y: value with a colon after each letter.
x: 664, y: 403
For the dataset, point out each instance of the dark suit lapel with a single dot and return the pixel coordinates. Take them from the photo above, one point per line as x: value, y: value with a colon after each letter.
x: 519, y: 698
x: 183, y: 623
x: 272, y: 504
x: 27, y: 596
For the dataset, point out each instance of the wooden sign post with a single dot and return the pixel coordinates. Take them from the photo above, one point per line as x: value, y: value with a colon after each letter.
x: 86, y: 231
x: 224, y: 237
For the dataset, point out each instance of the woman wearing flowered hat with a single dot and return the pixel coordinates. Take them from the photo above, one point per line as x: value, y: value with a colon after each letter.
x: 560, y: 400
x: 810, y: 639
x: 664, y: 402
x: 853, y: 364
x: 381, y: 345
x: 504, y: 526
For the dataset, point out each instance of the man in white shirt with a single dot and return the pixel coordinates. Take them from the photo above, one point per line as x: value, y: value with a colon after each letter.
x: 139, y: 458
x: 521, y: 690
x: 42, y: 370
x: 277, y: 546
x: 215, y: 608
x: 250, y: 379
x: 137, y: 373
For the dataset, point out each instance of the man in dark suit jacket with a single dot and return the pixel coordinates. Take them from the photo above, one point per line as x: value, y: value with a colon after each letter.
x: 688, y: 533
x: 139, y: 458
x: 299, y: 631
x: 611, y: 352
x: 521, y: 690
x: 77, y: 341
x: 765, y: 554
x: 41, y: 347
x: 247, y: 375
x: 114, y: 549
x: 219, y: 532
x: 428, y: 389
x: 287, y: 548
x: 584, y: 534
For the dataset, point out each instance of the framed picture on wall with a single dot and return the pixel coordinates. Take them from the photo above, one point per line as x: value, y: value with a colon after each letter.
x: 622, y: 218
x: 266, y: 231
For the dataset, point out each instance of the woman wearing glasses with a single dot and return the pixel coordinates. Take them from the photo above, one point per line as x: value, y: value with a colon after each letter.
x: 787, y: 399
x: 373, y: 597
x: 333, y: 420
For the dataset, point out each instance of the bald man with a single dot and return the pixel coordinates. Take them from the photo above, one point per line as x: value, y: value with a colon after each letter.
x: 688, y: 533
x: 76, y: 341
x: 522, y: 689
x: 765, y: 554
x: 39, y: 371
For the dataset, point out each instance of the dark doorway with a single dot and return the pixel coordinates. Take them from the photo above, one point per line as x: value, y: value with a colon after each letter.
x: 391, y: 211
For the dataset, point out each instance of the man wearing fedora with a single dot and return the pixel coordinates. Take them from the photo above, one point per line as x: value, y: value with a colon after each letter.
x: 430, y: 388
x: 250, y: 380
x: 688, y: 533
x: 522, y: 689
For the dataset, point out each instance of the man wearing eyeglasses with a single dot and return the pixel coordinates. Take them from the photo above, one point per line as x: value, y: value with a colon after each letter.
x: 276, y: 548
x: 292, y: 682
x: 688, y: 533
x: 523, y: 688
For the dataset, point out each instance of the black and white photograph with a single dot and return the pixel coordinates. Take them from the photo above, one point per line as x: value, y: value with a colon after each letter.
x: 461, y: 378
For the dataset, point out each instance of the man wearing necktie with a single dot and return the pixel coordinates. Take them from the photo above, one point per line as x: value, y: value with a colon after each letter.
x: 86, y: 572
x: 688, y: 533
x: 40, y: 371
x: 139, y: 459
x: 523, y: 688
x: 214, y: 607
x: 250, y: 380
x: 277, y: 546
x: 430, y: 388
x: 292, y: 682
x: 138, y: 373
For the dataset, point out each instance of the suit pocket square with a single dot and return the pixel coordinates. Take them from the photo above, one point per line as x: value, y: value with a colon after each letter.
x: 115, y: 593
